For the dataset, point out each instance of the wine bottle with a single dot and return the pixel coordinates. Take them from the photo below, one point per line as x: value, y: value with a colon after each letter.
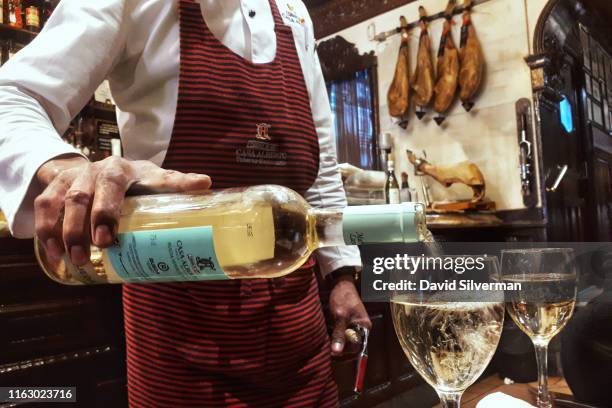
x: 15, y: 18
x: 405, y: 195
x: 392, y: 190
x: 32, y: 16
x: 250, y: 232
x: 47, y: 10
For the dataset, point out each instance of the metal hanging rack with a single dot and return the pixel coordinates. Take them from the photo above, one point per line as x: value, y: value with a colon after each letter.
x: 380, y: 37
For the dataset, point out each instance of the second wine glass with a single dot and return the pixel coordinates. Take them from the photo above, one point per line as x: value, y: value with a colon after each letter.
x: 545, y: 303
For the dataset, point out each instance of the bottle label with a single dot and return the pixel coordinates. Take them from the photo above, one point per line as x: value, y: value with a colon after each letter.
x: 32, y: 17
x: 368, y: 224
x: 176, y: 254
x: 394, y: 196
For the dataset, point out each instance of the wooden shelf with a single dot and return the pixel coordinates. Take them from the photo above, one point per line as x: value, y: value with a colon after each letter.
x: 17, y: 34
x: 103, y: 107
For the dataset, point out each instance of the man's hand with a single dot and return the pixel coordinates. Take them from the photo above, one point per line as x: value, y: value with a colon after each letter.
x: 346, y: 309
x: 81, y: 201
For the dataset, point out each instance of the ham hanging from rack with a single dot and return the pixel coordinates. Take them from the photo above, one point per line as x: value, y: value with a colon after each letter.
x: 399, y: 91
x: 423, y: 78
x: 472, y: 59
x: 448, y: 68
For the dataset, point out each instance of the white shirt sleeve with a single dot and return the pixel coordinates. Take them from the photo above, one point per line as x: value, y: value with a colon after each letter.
x: 87, y: 40
x: 327, y: 190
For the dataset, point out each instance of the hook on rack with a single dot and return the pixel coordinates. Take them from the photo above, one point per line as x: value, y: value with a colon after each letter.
x: 382, y: 36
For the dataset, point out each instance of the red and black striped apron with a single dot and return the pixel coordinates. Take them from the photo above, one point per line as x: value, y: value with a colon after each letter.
x: 257, y: 343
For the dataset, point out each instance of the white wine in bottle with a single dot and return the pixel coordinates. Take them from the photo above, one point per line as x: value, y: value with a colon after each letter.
x: 392, y: 188
x: 251, y: 232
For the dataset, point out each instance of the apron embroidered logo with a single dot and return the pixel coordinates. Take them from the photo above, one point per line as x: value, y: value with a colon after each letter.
x: 291, y: 16
x: 263, y: 131
x: 260, y: 150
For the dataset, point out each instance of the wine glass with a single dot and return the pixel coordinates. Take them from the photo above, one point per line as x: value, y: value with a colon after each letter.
x: 449, y: 337
x: 545, y: 302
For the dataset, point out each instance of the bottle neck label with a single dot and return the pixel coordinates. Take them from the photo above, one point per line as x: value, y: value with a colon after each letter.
x: 174, y: 254
x: 370, y: 224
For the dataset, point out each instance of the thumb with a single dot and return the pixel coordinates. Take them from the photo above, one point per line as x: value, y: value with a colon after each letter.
x: 338, y: 336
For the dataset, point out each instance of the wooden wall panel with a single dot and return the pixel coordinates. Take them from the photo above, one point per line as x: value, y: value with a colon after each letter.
x: 336, y: 15
x: 55, y: 335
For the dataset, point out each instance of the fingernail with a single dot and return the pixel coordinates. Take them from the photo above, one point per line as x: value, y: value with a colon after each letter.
x: 78, y: 255
x: 103, y: 235
x: 337, y: 347
x: 54, y: 250
x: 202, y: 177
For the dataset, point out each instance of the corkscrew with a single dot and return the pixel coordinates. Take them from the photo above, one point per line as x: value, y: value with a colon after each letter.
x: 362, y: 359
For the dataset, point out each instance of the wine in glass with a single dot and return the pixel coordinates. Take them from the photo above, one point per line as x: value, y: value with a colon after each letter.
x: 449, y: 343
x: 545, y: 303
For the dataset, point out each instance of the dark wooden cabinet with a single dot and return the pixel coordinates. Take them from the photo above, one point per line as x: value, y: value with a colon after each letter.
x: 55, y: 335
x: 578, y: 52
x: 601, y: 198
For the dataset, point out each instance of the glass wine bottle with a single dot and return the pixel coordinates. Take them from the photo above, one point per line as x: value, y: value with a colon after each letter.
x: 251, y: 232
x: 392, y: 189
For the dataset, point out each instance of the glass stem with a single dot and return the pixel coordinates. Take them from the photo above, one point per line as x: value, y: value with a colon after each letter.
x: 541, y: 351
x: 450, y: 399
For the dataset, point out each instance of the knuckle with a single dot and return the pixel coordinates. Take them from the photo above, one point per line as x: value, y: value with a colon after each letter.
x: 78, y: 197
x: 341, y: 314
x: 170, y: 175
x: 64, y: 176
x: 114, y: 175
x: 67, y: 176
x: 113, y: 161
x: 43, y: 202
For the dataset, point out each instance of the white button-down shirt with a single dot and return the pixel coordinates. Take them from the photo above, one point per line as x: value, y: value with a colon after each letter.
x: 135, y: 44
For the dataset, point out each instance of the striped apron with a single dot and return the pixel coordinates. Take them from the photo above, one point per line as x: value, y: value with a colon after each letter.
x: 256, y: 343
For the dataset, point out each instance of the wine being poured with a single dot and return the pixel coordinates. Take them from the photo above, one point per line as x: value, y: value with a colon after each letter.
x: 449, y: 343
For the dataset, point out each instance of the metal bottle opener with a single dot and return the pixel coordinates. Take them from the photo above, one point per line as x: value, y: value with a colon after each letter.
x: 362, y: 359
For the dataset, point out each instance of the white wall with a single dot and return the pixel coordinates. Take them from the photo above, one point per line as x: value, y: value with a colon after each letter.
x: 487, y: 135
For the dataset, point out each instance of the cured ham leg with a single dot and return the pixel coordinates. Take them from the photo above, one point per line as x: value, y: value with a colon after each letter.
x: 472, y: 59
x: 398, y: 95
x: 424, y: 73
x: 448, y: 68
x: 464, y: 172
